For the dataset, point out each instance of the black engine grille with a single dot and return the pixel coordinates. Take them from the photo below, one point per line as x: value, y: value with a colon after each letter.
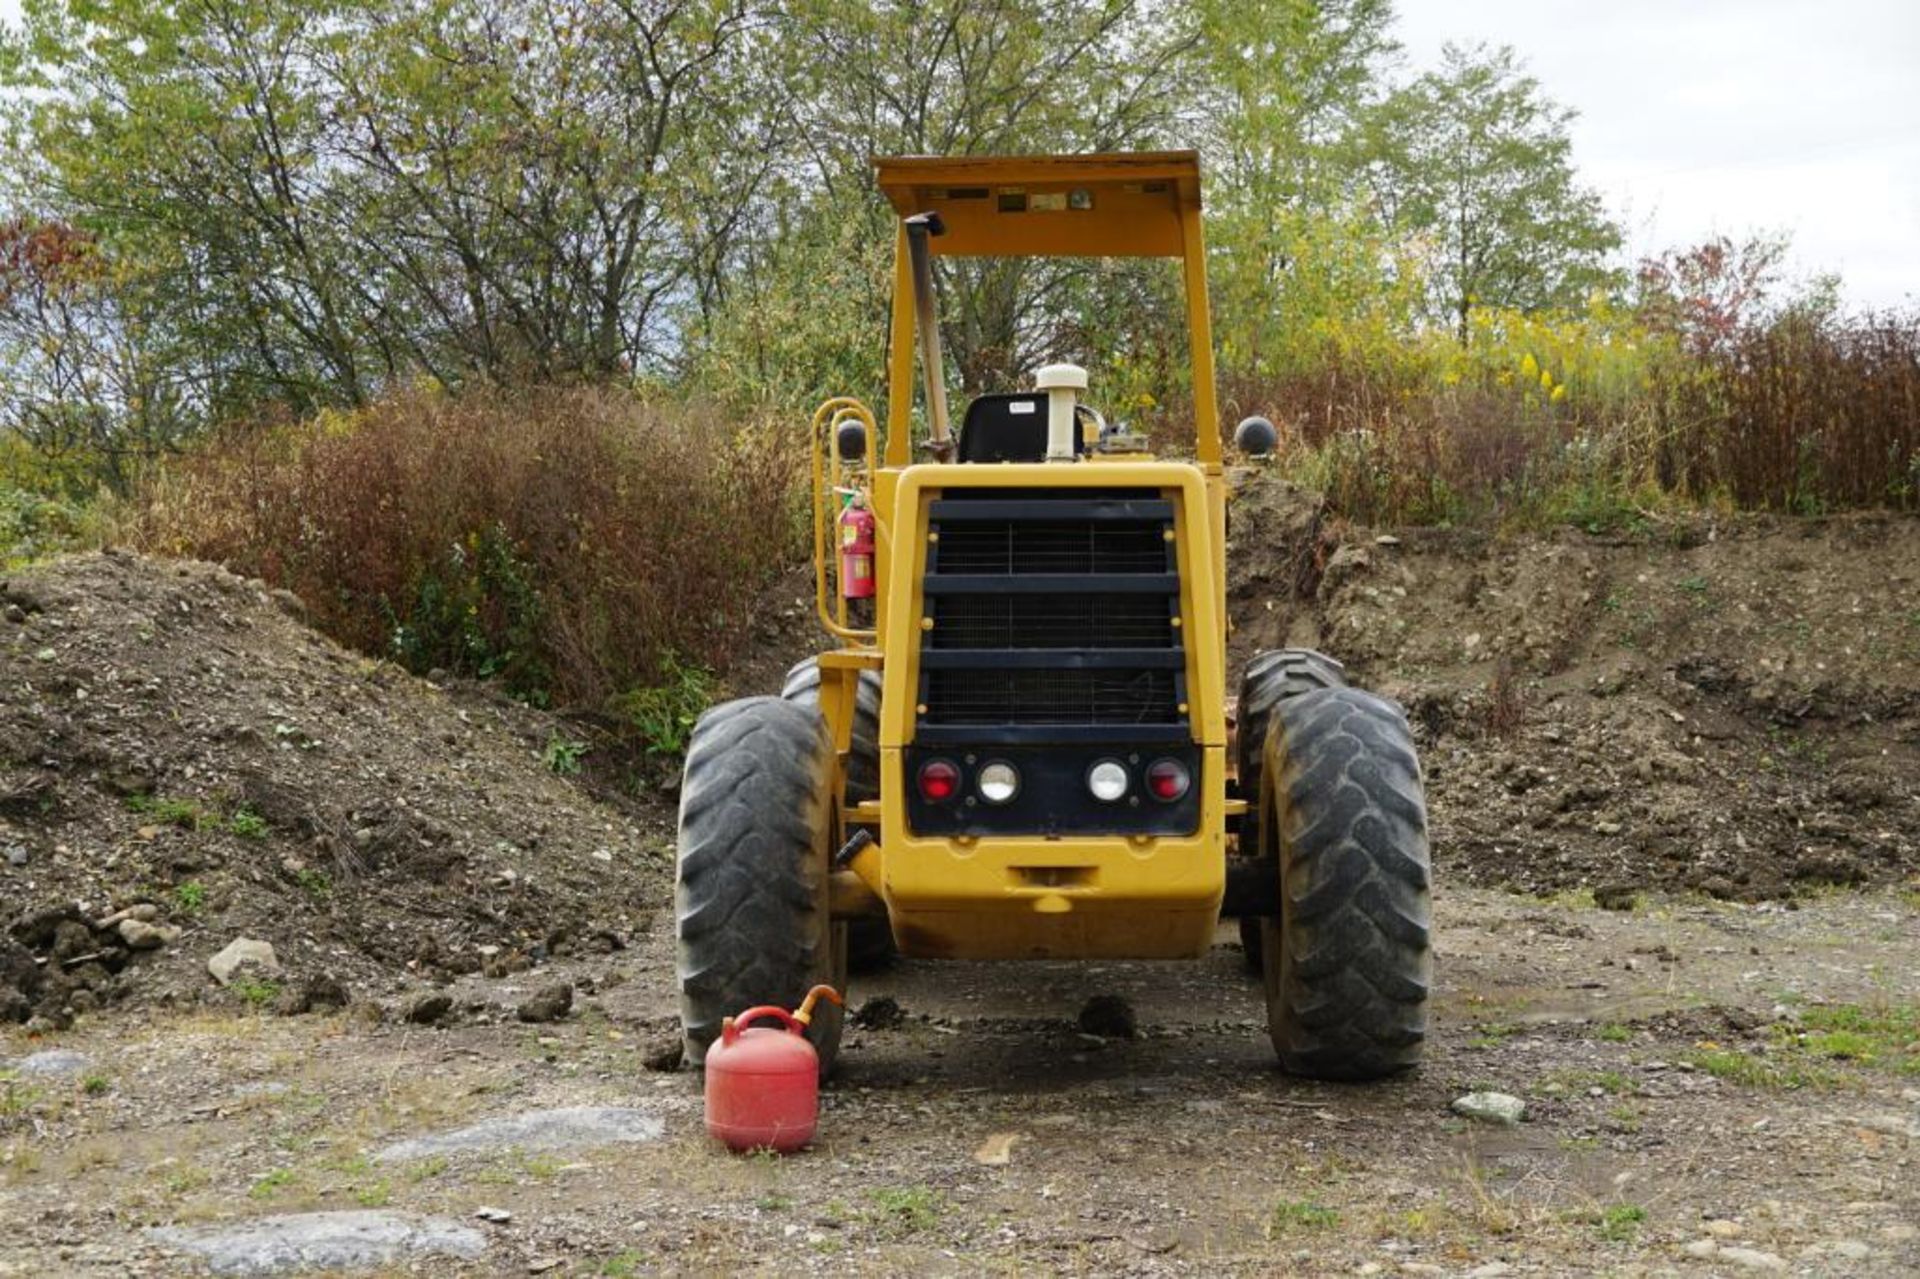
x: 1052, y: 621
x: 1052, y: 611
x: 1051, y: 697
x: 1050, y: 546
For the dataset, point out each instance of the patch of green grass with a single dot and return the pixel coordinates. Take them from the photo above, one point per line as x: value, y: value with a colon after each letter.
x: 905, y: 1209
x: 257, y: 991
x: 1844, y: 1045
x: 313, y: 882
x: 1611, y: 1082
x: 562, y: 755
x: 190, y: 897
x: 1621, y: 1222
x: 426, y: 1169
x: 1884, y: 1035
x: 1695, y: 585
x: 1491, y: 1034
x: 373, y: 1194
x: 1613, y: 1032
x: 96, y: 1085
x: 170, y: 811
x: 1753, y: 1070
x: 773, y: 1203
x: 186, y: 1178
x: 247, y: 824
x: 543, y: 1167
x: 622, y: 1265
x: 271, y: 1184
x: 16, y: 1098
x: 1295, y: 1216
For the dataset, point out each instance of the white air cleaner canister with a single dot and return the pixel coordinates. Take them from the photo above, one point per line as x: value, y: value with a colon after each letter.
x: 1060, y: 381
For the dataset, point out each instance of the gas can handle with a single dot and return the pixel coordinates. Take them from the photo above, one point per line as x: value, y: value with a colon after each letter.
x: 730, y: 1029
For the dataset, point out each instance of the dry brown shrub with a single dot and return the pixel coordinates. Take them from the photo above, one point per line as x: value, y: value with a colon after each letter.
x: 574, y: 542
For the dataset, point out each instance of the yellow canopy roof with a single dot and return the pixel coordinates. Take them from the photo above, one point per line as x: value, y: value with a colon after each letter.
x: 1119, y: 205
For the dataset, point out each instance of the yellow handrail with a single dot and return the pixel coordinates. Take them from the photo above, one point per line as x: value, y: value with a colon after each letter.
x: 829, y: 472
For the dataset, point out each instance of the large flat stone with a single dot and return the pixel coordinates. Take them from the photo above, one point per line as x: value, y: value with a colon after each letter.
x: 570, y: 1128
x: 322, y: 1241
x: 52, y: 1061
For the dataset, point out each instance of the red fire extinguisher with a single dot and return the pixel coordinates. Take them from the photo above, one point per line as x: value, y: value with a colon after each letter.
x: 763, y: 1085
x: 856, y: 549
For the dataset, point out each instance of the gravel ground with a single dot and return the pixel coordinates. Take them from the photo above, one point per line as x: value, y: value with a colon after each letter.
x: 1681, y: 1093
x: 1675, y: 787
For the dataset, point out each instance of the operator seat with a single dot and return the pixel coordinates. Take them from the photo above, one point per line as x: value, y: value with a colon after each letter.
x: 1008, y: 427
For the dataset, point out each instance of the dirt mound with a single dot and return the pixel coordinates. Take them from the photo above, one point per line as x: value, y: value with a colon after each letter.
x: 1731, y: 707
x: 1728, y: 707
x: 183, y: 763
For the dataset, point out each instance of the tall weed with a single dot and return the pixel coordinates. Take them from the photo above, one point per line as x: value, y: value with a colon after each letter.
x: 567, y: 541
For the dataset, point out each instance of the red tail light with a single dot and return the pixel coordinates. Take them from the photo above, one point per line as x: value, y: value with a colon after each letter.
x: 1167, y: 779
x: 939, y: 779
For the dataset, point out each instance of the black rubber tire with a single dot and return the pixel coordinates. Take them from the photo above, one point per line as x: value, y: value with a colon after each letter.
x: 869, y: 940
x: 1349, y: 962
x: 802, y: 687
x: 750, y: 892
x: 1273, y: 675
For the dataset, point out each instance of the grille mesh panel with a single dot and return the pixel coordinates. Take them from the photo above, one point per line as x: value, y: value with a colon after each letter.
x: 1080, y: 618
x: 1052, y: 621
x: 1051, y: 697
x: 1082, y: 546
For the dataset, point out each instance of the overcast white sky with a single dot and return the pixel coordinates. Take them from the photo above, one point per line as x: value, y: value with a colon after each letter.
x: 1698, y: 116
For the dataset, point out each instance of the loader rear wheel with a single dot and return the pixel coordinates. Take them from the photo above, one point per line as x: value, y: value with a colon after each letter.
x: 802, y: 688
x: 1348, y: 963
x: 869, y: 940
x: 1272, y: 676
x: 751, y: 894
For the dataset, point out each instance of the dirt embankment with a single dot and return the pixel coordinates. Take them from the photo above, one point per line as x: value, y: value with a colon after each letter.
x: 1731, y: 707
x: 174, y: 742
x: 1709, y: 1087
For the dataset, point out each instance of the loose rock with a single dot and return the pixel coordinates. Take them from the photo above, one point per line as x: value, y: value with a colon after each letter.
x: 549, y: 1003
x: 1490, y: 1108
x: 568, y: 1128
x: 427, y: 1008
x: 1752, y: 1258
x: 323, y: 1241
x: 1108, y: 1016
x: 666, y: 1053
x: 244, y: 954
x: 53, y: 1061
x: 1615, y: 896
x: 140, y: 935
x: 882, y: 1012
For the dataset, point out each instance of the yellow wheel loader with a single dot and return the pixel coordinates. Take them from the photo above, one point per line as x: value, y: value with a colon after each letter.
x: 1022, y: 745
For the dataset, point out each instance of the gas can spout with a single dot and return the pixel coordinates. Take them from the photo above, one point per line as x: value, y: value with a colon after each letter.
x: 804, y: 1014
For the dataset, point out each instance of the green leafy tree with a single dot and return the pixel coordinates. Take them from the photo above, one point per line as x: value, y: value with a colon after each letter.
x: 970, y: 77
x: 350, y: 193
x: 1298, y: 259
x: 1476, y: 160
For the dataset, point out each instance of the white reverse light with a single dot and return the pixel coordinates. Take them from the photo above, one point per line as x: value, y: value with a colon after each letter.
x: 999, y: 782
x: 1107, y: 780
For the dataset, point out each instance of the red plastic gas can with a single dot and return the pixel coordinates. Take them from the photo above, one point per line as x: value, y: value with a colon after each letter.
x: 763, y: 1085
